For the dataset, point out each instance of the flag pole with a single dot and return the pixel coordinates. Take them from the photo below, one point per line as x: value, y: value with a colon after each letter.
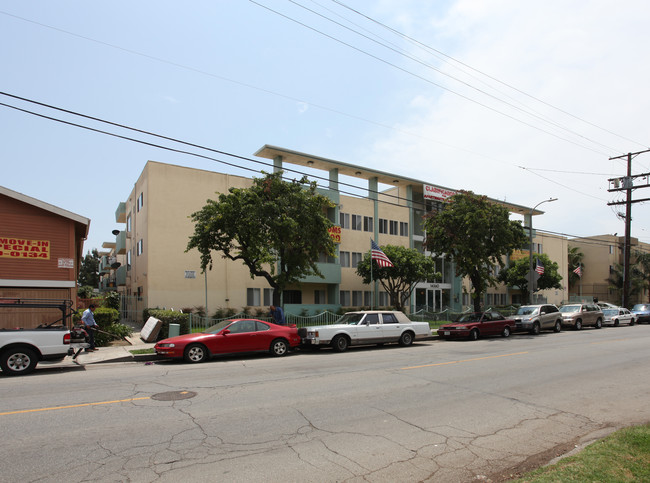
x: 372, y: 299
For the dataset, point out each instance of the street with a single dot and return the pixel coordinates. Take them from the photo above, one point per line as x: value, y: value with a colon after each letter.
x: 435, y: 411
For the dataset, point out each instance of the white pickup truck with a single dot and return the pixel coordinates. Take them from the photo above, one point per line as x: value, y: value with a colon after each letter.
x: 367, y: 327
x: 21, y: 349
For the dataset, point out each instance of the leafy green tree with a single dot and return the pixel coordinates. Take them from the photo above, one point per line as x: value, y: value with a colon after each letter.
x: 575, y: 261
x: 615, y: 280
x: 516, y: 275
x: 409, y: 267
x: 476, y: 234
x: 277, y: 229
x: 89, y: 269
x: 642, y: 262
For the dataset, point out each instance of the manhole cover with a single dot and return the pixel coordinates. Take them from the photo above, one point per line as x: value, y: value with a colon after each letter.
x: 173, y: 395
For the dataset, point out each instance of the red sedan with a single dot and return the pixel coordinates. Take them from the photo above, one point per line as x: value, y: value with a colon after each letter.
x: 230, y: 337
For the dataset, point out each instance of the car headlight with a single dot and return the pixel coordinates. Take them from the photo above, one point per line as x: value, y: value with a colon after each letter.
x: 167, y: 344
x: 462, y: 327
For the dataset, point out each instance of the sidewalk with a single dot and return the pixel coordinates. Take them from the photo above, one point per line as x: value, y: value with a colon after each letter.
x: 118, y: 351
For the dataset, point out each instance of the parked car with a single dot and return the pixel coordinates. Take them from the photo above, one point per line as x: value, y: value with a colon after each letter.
x: 641, y: 312
x: 581, y: 315
x: 535, y: 318
x: 618, y: 316
x: 229, y: 337
x: 366, y: 327
x: 606, y: 305
x: 477, y: 324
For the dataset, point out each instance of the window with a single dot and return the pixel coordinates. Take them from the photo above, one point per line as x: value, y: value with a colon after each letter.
x: 383, y: 225
x: 389, y: 319
x: 403, y: 229
x: 128, y: 260
x: 268, y: 296
x: 344, y: 220
x: 372, y: 319
x: 320, y: 297
x: 357, y: 298
x: 367, y: 298
x: 140, y: 202
x: 357, y: 221
x: 393, y: 227
x: 253, y: 297
x: 140, y: 247
x: 344, y: 258
x: 383, y: 299
x: 292, y: 296
x: 356, y: 258
x: 128, y: 223
x: 345, y: 298
x: 368, y: 223
x: 242, y: 326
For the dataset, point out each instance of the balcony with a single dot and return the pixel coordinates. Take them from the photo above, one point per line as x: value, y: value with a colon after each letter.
x: 120, y: 243
x: 104, y: 266
x: 120, y: 276
x: 120, y: 213
x: 331, y: 272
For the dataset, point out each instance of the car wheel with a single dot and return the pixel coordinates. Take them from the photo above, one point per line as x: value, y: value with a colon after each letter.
x: 279, y: 347
x: 616, y: 323
x: 599, y: 323
x: 473, y: 335
x: 558, y: 326
x: 18, y: 361
x: 506, y: 332
x: 632, y: 322
x: 536, y: 329
x: 195, y: 353
x: 578, y: 325
x: 340, y: 343
x: 406, y: 339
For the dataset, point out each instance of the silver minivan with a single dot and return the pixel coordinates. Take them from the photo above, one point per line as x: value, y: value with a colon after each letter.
x: 535, y: 318
x: 581, y: 315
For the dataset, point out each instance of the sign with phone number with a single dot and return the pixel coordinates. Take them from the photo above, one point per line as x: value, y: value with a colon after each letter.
x: 23, y: 248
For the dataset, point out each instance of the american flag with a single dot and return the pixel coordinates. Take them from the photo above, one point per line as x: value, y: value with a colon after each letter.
x: 377, y: 254
x: 578, y: 271
x: 539, y: 268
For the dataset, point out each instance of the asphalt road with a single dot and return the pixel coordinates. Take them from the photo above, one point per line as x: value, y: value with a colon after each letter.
x: 436, y: 411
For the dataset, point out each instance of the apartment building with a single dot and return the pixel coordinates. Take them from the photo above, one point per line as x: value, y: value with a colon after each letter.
x: 157, y: 271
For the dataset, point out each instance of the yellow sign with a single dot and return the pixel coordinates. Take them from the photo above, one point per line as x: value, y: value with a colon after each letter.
x: 519, y: 254
x: 22, y: 248
x: 335, y: 233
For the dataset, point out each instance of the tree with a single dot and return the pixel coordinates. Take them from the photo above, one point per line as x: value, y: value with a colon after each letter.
x: 476, y: 234
x: 643, y: 266
x: 277, y: 229
x: 575, y: 260
x: 409, y: 267
x: 516, y: 275
x: 616, y: 277
x: 89, y: 270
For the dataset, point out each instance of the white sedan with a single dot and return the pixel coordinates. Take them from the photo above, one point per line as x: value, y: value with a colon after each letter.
x: 617, y: 316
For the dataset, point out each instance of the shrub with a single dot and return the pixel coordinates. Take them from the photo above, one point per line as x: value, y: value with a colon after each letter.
x: 112, y: 300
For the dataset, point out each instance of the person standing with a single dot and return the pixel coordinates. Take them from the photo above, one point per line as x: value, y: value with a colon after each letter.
x: 90, y: 325
x: 278, y: 315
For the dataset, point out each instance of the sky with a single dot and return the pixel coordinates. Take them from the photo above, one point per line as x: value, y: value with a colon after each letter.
x: 518, y: 100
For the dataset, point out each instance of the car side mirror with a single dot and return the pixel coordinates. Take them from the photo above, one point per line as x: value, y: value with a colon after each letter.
x: 542, y: 313
x: 225, y: 332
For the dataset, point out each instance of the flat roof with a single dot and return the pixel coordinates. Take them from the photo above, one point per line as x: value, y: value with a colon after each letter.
x: 362, y: 172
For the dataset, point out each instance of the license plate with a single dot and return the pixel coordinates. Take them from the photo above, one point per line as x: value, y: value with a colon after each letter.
x: 446, y: 332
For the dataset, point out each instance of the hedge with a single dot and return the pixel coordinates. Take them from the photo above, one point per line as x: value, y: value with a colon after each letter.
x: 168, y: 317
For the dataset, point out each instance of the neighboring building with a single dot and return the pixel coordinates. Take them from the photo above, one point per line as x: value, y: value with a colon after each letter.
x: 601, y: 255
x: 41, y: 247
x: 157, y: 272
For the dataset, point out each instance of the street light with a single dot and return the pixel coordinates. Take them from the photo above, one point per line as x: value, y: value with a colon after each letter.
x: 530, y: 253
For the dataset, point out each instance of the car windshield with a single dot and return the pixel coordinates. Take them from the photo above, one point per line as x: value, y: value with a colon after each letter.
x: 570, y: 308
x: 527, y: 310
x: 641, y: 307
x: 217, y: 327
x: 471, y: 317
x: 610, y: 311
x: 352, y: 318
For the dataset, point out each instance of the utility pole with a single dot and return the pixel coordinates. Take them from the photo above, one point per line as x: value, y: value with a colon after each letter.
x: 626, y: 184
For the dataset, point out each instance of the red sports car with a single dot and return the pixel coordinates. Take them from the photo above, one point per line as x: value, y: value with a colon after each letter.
x: 229, y: 337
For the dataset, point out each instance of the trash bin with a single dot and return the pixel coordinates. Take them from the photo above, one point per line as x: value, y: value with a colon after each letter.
x: 174, y: 330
